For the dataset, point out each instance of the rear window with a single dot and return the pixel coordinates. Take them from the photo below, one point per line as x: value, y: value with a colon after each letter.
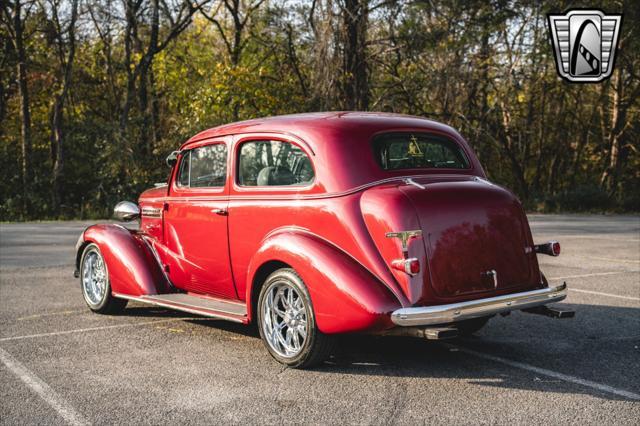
x: 398, y: 151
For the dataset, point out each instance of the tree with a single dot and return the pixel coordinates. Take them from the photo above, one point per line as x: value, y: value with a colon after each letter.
x: 177, y: 17
x: 236, y: 41
x: 94, y: 93
x: 14, y: 16
x: 355, y: 88
x: 65, y: 40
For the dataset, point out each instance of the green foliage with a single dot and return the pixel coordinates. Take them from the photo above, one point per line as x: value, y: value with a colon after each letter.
x: 582, y: 198
x: 485, y: 68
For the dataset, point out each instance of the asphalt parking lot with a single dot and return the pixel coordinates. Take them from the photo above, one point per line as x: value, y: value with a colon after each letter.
x: 61, y: 364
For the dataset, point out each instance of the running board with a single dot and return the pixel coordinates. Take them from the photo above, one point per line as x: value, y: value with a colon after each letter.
x: 199, y: 305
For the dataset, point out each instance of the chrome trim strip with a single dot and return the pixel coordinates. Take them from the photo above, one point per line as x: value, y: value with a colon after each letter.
x: 405, y: 237
x: 444, y: 314
x: 243, y: 136
x: 151, y: 212
x: 304, y: 196
x: 182, y: 308
x: 410, y: 181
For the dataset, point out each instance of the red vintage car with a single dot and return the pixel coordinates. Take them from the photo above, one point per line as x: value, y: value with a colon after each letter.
x: 314, y: 225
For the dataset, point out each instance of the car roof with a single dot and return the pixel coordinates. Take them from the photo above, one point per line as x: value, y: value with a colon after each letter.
x: 339, y: 142
x: 333, y: 121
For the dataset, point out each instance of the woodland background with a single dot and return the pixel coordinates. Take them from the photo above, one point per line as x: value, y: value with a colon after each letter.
x: 95, y: 93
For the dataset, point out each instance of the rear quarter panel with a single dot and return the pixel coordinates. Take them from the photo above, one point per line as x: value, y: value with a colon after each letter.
x: 345, y: 296
x: 337, y: 220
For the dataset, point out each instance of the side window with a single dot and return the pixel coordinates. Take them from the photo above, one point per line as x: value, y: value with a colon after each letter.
x: 273, y: 163
x: 204, y: 167
x: 183, y: 173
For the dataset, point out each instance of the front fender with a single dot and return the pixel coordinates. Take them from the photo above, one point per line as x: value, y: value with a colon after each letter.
x: 133, y: 269
x: 346, y: 297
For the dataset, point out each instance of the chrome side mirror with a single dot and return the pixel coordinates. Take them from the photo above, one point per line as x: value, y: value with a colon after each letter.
x: 126, y: 211
x: 172, y: 158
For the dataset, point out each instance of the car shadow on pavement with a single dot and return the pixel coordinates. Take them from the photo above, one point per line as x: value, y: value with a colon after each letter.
x: 231, y: 327
x: 599, y: 345
x: 146, y: 311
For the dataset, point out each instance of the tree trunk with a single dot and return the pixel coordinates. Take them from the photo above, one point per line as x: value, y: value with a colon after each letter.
x: 125, y: 153
x: 155, y: 110
x: 3, y: 104
x: 143, y: 91
x: 507, y: 142
x: 57, y: 117
x: 609, y: 178
x: 25, y: 112
x: 355, y: 73
x: 582, y: 143
x: 143, y: 100
x: 233, y: 7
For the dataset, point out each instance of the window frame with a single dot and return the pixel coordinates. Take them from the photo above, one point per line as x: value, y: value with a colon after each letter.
x: 177, y: 189
x: 180, y: 164
x: 372, y: 143
x: 243, y: 139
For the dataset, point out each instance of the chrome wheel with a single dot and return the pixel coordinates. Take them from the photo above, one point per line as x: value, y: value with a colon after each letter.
x: 94, y: 277
x: 284, y: 322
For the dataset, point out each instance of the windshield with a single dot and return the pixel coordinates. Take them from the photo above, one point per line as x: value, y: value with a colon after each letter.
x: 397, y: 151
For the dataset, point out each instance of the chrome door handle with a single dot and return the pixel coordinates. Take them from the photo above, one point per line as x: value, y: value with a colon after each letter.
x: 221, y: 212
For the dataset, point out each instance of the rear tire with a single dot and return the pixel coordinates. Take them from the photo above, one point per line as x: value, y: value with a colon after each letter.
x: 286, y: 322
x: 471, y: 326
x: 95, y: 284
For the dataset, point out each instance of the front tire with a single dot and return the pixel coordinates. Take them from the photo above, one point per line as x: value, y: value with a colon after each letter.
x: 286, y: 321
x: 95, y: 285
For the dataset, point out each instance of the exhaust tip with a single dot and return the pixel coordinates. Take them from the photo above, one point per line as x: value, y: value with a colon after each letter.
x: 440, y: 333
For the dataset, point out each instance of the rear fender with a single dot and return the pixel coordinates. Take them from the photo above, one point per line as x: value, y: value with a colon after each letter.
x: 133, y: 269
x: 346, y: 297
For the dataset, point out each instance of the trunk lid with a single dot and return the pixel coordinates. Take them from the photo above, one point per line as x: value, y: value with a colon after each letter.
x: 475, y: 235
x: 470, y: 228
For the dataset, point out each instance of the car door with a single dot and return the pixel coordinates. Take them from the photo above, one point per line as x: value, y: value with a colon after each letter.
x: 195, y: 223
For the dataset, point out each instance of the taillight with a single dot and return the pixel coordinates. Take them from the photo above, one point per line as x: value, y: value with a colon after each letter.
x: 410, y: 266
x: 552, y: 248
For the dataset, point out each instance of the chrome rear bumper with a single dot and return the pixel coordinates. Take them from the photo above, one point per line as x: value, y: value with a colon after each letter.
x: 444, y: 314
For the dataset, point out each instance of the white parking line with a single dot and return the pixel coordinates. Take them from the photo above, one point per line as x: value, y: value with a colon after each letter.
x: 595, y: 237
x: 549, y: 373
x: 55, y: 401
x: 598, y: 274
x: 611, y: 259
x: 595, y: 274
x: 106, y: 327
x: 579, y: 290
